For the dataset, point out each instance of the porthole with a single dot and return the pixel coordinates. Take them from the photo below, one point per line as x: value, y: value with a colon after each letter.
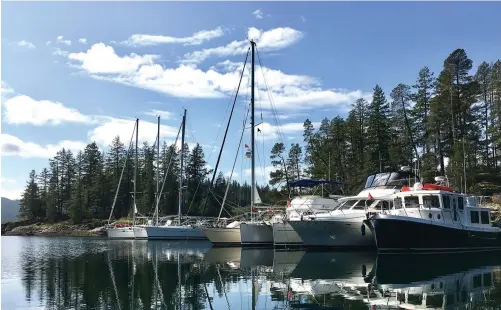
x: 438, y: 216
x: 430, y: 215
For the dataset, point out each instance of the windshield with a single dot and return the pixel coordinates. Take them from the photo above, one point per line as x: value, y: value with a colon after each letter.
x: 348, y: 204
x: 392, y: 179
x: 381, y: 179
x: 368, y: 183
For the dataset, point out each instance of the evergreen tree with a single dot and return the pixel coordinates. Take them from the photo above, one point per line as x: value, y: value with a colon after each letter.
x: 30, y: 204
x: 378, y: 138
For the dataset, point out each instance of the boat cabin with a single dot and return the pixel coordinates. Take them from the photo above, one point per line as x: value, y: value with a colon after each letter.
x: 440, y: 204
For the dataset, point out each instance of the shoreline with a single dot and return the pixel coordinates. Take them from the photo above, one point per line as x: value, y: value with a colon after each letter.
x: 93, y: 228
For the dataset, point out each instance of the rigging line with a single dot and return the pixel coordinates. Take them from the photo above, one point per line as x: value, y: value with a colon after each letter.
x: 122, y: 173
x: 167, y: 172
x: 270, y: 98
x: 113, y: 281
x: 233, y: 168
x: 226, y: 132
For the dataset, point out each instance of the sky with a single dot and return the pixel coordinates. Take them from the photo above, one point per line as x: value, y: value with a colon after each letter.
x: 77, y: 72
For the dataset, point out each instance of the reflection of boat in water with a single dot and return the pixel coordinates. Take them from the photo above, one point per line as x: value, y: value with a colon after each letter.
x: 169, y: 250
x: 335, y: 265
x: 434, y: 281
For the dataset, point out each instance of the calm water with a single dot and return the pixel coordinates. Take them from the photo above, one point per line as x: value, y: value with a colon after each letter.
x: 78, y: 273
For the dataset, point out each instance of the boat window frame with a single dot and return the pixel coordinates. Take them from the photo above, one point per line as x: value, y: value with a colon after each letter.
x: 399, y: 205
x: 437, y: 200
x: 342, y: 207
x: 460, y: 203
x: 413, y: 207
x: 474, y: 219
x: 482, y: 218
x: 361, y: 205
x: 446, y: 201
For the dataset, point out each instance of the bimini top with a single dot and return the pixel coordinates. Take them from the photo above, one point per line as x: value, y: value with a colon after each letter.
x: 310, y: 183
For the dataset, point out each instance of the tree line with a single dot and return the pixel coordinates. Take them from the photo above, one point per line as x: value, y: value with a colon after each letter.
x: 449, y: 124
x: 83, y: 186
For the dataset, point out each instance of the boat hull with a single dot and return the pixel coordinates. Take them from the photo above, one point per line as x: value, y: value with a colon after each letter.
x: 334, y: 233
x: 256, y: 234
x: 120, y: 233
x: 175, y: 233
x: 140, y: 232
x: 222, y: 236
x: 404, y: 234
x: 285, y: 236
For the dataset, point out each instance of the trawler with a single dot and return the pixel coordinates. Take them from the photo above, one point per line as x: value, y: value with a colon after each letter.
x: 433, y: 217
x: 343, y: 227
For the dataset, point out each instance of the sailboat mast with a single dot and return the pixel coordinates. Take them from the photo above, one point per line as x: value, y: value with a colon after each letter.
x: 158, y: 173
x: 253, y: 162
x: 181, y: 170
x: 135, y: 173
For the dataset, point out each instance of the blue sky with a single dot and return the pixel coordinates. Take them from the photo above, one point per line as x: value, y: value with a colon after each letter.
x: 140, y: 59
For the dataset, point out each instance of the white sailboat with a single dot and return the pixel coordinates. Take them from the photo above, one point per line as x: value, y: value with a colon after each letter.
x: 176, y: 230
x: 121, y: 231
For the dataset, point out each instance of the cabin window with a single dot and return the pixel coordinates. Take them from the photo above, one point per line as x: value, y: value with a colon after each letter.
x: 362, y: 204
x: 397, y: 203
x: 484, y: 217
x: 477, y: 281
x: 446, y: 200
x: 453, y: 203
x: 411, y: 202
x: 431, y: 202
x: 383, y: 205
x: 460, y: 203
x: 474, y: 217
x: 348, y: 204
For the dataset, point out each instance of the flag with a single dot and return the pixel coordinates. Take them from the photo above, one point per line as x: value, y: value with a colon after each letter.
x: 135, y: 209
x: 288, y: 203
x: 370, y: 197
x: 246, y: 146
x: 258, y: 130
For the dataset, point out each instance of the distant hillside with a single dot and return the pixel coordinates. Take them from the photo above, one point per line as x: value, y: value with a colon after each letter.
x: 10, y: 209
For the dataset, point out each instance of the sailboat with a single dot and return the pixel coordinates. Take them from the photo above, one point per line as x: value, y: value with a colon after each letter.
x: 125, y: 231
x: 173, y: 230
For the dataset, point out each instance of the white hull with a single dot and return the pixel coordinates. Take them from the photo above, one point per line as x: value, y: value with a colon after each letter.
x: 222, y: 236
x: 140, y: 232
x: 257, y: 234
x: 120, y: 233
x: 334, y: 233
x: 285, y: 235
x: 175, y: 233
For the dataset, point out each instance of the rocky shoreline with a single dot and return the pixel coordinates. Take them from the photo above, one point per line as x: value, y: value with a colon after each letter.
x: 61, y: 229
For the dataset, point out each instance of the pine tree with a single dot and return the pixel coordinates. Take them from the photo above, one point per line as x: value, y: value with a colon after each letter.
x: 30, y: 204
x: 278, y: 162
x: 378, y: 138
x: 424, y: 92
x: 294, y: 162
x: 77, y: 201
x: 402, y: 146
x: 196, y: 172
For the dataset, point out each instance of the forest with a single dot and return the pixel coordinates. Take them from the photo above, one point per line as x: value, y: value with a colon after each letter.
x: 447, y: 124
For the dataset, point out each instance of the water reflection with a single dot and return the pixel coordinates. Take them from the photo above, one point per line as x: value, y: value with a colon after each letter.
x: 57, y: 273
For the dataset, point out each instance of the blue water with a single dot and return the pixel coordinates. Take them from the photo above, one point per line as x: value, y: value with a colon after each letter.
x: 83, y: 273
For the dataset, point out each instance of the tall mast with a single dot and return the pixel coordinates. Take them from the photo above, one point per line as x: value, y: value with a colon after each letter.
x: 253, y: 163
x: 181, y: 170
x: 158, y: 157
x: 135, y: 173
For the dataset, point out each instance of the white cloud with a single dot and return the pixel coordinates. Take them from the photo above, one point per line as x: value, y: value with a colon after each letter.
x: 61, y: 40
x: 82, y: 40
x: 195, y: 39
x: 262, y: 173
x: 25, y: 44
x: 270, y: 40
x: 268, y: 131
x: 258, y: 14
x: 59, y: 52
x: 234, y: 175
x: 7, y: 181
x: 13, y: 146
x: 289, y: 91
x: 163, y: 114
x: 112, y: 127
x: 101, y: 58
x: 5, y: 91
x: 26, y: 110
x: 10, y: 189
x: 48, y: 43
x: 303, y: 18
